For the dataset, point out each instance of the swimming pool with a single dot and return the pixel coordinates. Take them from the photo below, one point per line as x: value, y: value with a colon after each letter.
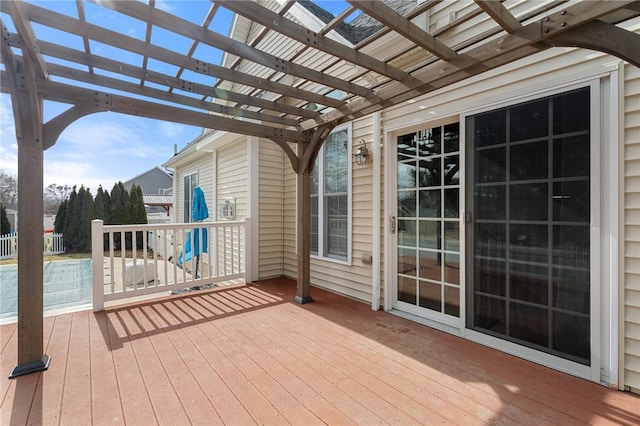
x: 67, y: 284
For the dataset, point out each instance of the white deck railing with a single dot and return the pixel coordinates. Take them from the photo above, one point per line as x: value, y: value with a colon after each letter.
x: 53, y: 244
x: 159, y: 264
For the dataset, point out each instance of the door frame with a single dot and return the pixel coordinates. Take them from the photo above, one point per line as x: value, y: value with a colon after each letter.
x: 605, y: 231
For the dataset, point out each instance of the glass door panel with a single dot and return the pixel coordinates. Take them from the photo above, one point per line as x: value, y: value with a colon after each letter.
x: 530, y: 235
x: 428, y: 231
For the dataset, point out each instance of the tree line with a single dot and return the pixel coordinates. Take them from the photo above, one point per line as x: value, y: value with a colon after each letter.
x: 53, y: 195
x: 120, y: 207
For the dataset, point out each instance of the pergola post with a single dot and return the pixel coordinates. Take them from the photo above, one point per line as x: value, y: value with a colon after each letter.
x: 306, y: 157
x: 29, y: 127
x: 303, y: 234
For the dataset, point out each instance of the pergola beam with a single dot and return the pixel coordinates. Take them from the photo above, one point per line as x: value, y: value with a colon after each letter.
x: 194, y: 44
x: 124, y: 69
x: 307, y: 37
x: 175, y: 98
x: 65, y: 93
x: 139, y: 47
x: 500, y: 14
x: 524, y: 42
x: 185, y: 28
x: 603, y: 37
x: 30, y: 43
x: 398, y: 23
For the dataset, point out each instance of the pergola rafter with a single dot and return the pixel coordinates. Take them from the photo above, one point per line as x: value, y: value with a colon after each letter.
x: 346, y: 82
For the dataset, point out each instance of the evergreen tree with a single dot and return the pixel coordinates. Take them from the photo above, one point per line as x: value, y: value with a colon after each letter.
x: 107, y: 207
x: 70, y: 222
x: 84, y: 204
x: 125, y: 205
x: 58, y: 224
x: 133, y: 213
x: 98, y: 205
x: 138, y: 212
x: 5, y: 225
x: 114, y: 201
x: 120, y: 211
x: 101, y: 206
x: 142, y: 210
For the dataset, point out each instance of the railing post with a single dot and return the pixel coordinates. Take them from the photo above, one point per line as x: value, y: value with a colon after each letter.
x: 97, y: 254
x: 247, y: 249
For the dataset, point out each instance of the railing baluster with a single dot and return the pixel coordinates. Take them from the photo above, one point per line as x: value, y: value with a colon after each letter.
x: 222, y: 262
x: 111, y: 263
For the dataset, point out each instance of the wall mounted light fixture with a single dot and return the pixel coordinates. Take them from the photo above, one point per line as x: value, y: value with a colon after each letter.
x: 362, y: 153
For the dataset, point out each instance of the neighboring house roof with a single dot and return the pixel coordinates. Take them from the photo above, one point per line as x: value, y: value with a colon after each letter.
x: 157, y: 200
x: 133, y: 179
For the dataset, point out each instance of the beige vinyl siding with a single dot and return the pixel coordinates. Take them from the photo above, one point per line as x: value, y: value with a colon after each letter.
x: 631, y: 247
x: 233, y: 177
x: 270, y: 219
x: 231, y: 181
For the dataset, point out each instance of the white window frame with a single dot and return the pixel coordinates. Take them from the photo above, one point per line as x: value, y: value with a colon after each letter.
x: 322, y: 231
x: 188, y: 195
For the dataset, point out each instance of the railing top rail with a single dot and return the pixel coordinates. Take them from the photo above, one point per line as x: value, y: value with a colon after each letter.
x: 169, y: 226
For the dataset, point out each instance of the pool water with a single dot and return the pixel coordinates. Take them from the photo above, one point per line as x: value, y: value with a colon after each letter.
x: 67, y: 284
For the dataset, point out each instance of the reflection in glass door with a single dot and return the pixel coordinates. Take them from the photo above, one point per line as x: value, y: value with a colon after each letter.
x: 428, y: 172
x: 529, y: 274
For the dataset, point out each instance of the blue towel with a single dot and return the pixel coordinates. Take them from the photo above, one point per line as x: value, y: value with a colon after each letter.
x: 188, y: 252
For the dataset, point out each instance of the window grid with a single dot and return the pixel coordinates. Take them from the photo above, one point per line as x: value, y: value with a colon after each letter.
x: 330, y: 201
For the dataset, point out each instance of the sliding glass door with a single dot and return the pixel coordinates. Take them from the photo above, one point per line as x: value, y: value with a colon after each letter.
x: 528, y: 194
x: 428, y: 222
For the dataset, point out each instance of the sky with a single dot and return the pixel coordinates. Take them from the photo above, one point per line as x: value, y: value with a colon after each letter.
x: 104, y: 148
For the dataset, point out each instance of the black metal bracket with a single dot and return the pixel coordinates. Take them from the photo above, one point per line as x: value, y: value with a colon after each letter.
x: 31, y: 367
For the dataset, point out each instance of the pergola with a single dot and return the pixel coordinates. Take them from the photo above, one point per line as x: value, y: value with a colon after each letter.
x: 264, y: 104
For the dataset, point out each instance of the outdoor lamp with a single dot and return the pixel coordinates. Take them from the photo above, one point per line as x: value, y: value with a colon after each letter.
x: 362, y: 153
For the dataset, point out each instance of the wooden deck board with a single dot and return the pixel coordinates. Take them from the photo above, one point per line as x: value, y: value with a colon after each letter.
x: 249, y: 355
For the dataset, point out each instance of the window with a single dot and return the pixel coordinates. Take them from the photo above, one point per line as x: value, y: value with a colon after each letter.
x: 331, y: 198
x: 190, y: 183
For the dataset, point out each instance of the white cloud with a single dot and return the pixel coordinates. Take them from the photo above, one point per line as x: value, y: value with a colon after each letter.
x: 170, y: 129
x: 163, y: 5
x: 110, y: 135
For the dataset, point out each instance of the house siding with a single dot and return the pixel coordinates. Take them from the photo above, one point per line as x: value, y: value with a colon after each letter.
x: 232, y: 177
x: 631, y: 246
x: 231, y: 184
x: 270, y: 210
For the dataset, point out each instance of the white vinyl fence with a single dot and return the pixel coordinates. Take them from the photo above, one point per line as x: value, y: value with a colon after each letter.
x: 53, y: 244
x: 137, y: 260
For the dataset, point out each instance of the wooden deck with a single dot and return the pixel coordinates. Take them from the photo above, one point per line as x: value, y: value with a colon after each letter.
x: 249, y: 355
